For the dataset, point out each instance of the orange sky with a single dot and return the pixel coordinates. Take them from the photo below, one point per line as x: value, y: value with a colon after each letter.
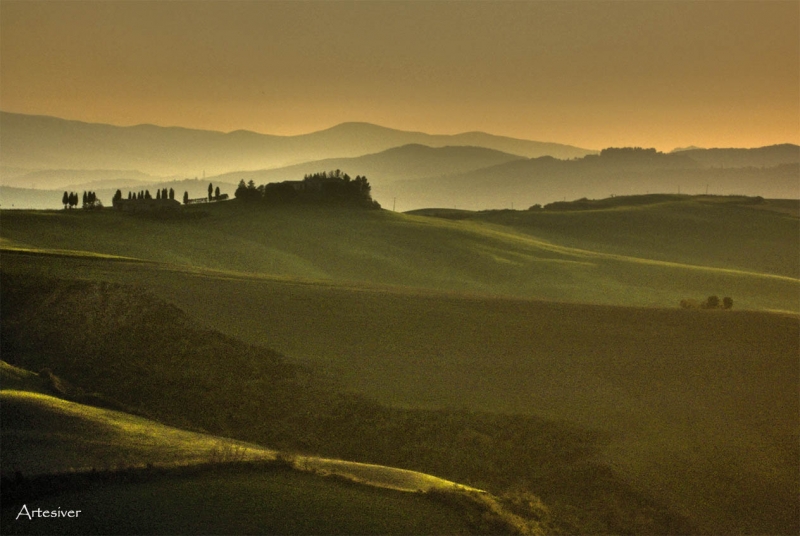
x: 592, y: 74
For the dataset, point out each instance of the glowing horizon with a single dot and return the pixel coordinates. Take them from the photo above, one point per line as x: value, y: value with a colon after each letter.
x: 588, y: 74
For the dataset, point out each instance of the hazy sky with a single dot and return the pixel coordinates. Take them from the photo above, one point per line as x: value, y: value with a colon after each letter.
x: 592, y: 74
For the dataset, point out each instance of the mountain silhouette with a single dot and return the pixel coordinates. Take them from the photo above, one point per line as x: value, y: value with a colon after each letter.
x: 40, y: 142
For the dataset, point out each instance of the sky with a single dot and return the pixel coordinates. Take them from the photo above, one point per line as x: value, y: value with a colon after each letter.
x: 585, y: 73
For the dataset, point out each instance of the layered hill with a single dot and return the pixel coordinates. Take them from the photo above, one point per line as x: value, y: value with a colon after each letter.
x: 767, y: 172
x: 35, y: 143
x: 400, y: 163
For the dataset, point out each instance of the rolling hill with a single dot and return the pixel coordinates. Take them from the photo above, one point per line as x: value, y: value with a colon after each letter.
x: 632, y: 419
x: 555, y: 332
x: 40, y: 142
x: 544, y: 180
x: 145, y: 352
x: 385, y: 248
x: 399, y: 163
x: 93, y: 457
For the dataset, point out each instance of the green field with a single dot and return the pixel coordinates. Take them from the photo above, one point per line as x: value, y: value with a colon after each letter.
x: 642, y: 255
x: 493, y: 344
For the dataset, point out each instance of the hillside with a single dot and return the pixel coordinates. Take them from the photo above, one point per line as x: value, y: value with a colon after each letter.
x: 55, y: 443
x: 134, y: 347
x: 653, y: 411
x: 385, y: 248
x: 719, y: 231
x: 607, y: 411
x: 40, y: 142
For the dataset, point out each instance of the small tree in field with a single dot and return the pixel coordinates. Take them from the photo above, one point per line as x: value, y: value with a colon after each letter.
x: 727, y: 302
x: 711, y: 303
x: 185, y: 198
x: 65, y: 200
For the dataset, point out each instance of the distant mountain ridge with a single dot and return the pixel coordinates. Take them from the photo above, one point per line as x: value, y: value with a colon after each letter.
x: 407, y: 162
x: 42, y: 142
x: 772, y: 155
x: 522, y: 183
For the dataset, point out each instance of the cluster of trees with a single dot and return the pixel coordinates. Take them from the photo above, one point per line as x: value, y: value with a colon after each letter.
x: 335, y: 187
x: 90, y: 200
x: 213, y: 195
x: 712, y: 302
x: 145, y: 194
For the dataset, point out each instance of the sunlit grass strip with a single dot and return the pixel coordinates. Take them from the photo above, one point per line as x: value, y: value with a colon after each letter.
x: 128, y: 433
x: 6, y: 247
x: 379, y: 475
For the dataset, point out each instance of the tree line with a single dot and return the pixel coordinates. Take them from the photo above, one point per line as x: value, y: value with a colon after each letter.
x: 326, y: 187
x: 89, y: 200
x: 145, y: 194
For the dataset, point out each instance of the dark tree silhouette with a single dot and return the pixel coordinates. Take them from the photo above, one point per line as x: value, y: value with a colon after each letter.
x: 712, y: 302
x: 171, y: 194
x: 216, y: 193
x: 185, y: 198
x: 210, y: 191
x: 65, y: 200
x: 158, y: 194
x: 727, y: 302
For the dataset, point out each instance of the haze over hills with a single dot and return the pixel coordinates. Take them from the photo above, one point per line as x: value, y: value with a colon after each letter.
x: 413, y: 161
x: 523, y: 183
x: 40, y: 142
x: 773, y: 155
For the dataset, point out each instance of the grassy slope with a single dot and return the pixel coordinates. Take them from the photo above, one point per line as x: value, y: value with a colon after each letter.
x: 704, y: 231
x: 151, y: 356
x: 257, y: 501
x: 527, y: 259
x: 700, y: 406
x: 43, y: 434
